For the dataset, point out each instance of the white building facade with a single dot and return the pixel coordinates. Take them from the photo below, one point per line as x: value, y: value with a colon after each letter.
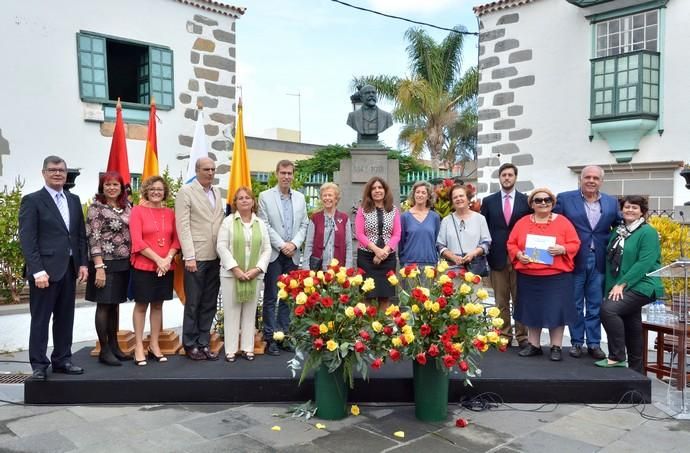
x: 569, y: 83
x: 66, y: 63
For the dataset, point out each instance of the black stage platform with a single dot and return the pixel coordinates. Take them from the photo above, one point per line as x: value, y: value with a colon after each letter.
x: 514, y: 379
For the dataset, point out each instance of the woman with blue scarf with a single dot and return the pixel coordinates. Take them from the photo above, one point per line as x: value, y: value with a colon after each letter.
x: 244, y: 249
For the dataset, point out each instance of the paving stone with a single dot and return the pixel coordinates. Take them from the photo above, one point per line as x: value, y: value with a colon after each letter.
x: 515, y: 422
x: 428, y: 443
x: 95, y: 413
x: 584, y: 431
x: 43, y: 423
x: 235, y: 443
x: 656, y: 436
x: 304, y: 448
x: 49, y: 442
x: 11, y: 412
x: 474, y: 437
x: 619, y: 446
x: 539, y: 441
x: 355, y: 440
x: 292, y: 432
x: 220, y: 424
x: 168, y: 438
x: 619, y: 418
x: 403, y: 419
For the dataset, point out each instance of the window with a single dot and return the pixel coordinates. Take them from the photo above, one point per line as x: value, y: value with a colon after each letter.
x: 111, y: 67
x: 625, y: 73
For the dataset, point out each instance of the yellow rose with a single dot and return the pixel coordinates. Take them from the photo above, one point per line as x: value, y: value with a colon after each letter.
x: 427, y: 305
x: 443, y: 279
x: 481, y: 338
x: 402, y: 272
x: 413, y: 273
x: 504, y: 341
x: 312, y: 274
x: 320, y: 275
x: 435, y: 307
x: 280, y: 285
x: 396, y: 342
x: 391, y: 308
x: 368, y: 285
x: 458, y: 347
x: 469, y: 276
x: 405, y: 315
x: 341, y: 276
x: 485, y: 348
x: 331, y: 325
x: 415, y: 308
x: 497, y: 323
x: 442, y: 266
x: 425, y: 291
x: 492, y: 337
x: 331, y: 345
x: 301, y: 299
x: 377, y: 326
x: 334, y: 262
x: 362, y: 307
x: 354, y: 410
x: 356, y: 280
x: 294, y: 284
x: 454, y: 313
x: 393, y: 280
x: 409, y: 337
x: 282, y: 294
x: 278, y: 336
x: 429, y: 272
x: 310, y: 290
x: 350, y: 312
x: 482, y: 293
x: 493, y: 311
x: 308, y: 282
x: 406, y: 328
x: 465, y: 289
x: 323, y: 328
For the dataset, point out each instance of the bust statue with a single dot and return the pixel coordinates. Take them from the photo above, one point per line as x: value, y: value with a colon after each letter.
x: 369, y: 120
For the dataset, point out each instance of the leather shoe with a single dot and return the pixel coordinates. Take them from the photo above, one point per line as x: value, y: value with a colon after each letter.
x: 555, y: 353
x: 210, y: 355
x: 272, y: 348
x: 596, y: 353
x: 195, y: 354
x: 108, y: 358
x: 39, y: 374
x: 575, y: 351
x: 530, y: 351
x: 68, y: 368
x: 287, y: 347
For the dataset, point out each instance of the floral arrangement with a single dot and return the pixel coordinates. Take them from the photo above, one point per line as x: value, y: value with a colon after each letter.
x: 444, y: 205
x: 331, y: 324
x: 441, y: 318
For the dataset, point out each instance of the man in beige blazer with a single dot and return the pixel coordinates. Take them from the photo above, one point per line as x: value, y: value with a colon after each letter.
x: 198, y: 214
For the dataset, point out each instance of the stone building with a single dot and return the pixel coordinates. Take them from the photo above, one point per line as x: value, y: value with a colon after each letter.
x: 568, y: 83
x: 65, y: 64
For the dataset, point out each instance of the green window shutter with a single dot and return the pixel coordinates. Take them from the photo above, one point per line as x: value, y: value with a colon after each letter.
x: 144, y: 82
x: 93, y: 80
x: 161, y: 76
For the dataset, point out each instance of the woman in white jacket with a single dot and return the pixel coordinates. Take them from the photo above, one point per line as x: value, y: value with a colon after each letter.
x: 244, y: 249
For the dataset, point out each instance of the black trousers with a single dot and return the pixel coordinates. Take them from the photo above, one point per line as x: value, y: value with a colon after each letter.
x: 201, y: 289
x: 57, y: 300
x: 622, y: 320
x: 276, y: 313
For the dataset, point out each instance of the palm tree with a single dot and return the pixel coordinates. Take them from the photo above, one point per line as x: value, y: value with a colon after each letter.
x: 433, y: 98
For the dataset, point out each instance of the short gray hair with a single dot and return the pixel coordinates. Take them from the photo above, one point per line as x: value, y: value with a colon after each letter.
x: 601, y: 171
x: 53, y: 160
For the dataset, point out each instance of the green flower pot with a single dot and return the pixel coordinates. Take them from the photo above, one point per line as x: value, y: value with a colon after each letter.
x: 331, y: 394
x: 430, y: 392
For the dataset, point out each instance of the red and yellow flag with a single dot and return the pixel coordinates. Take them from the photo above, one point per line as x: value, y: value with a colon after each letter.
x: 151, y: 154
x: 239, y: 170
x: 117, y: 160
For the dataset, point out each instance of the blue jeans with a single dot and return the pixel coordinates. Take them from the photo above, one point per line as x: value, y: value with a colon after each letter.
x: 272, y: 323
x: 589, y: 293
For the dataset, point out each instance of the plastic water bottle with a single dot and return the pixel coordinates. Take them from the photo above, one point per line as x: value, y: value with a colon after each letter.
x: 652, y: 311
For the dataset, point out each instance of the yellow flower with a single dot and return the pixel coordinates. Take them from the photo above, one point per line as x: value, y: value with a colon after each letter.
x: 281, y: 285
x: 334, y: 262
x: 393, y: 280
x: 474, y: 309
x: 402, y: 272
x: 310, y: 290
x: 400, y: 434
x: 429, y: 272
x: 482, y: 293
x: 481, y: 338
x: 331, y: 345
x: 282, y: 294
x: 425, y: 291
x: 294, y: 284
x: 362, y: 307
x: 469, y: 276
x: 413, y: 273
x: 368, y: 285
x: 391, y: 308
x: 485, y: 347
x: 323, y: 328
x: 308, y: 282
x: 331, y: 325
x: 415, y: 308
x: 312, y: 274
x: 493, y: 311
x: 278, y: 335
x: 435, y: 307
x: 497, y: 323
x: 442, y: 266
x: 492, y: 337
x: 301, y: 299
x: 341, y: 276
x: 377, y: 326
x: 354, y: 410
x: 427, y: 305
x: 405, y: 315
x: 275, y: 428
x: 454, y: 313
x: 458, y: 347
x: 504, y: 341
x: 320, y: 275
x: 443, y: 279
x: 397, y: 342
x: 320, y: 426
x: 350, y: 312
x: 409, y: 337
x: 406, y: 328
x: 465, y: 289
x: 356, y: 280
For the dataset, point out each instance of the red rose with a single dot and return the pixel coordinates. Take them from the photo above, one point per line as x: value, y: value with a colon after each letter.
x: 462, y: 272
x: 299, y: 310
x: 346, y: 284
x: 403, y: 340
x: 503, y: 348
x: 421, y: 358
x: 425, y: 330
x: 314, y: 330
x: 447, y: 289
x: 461, y: 423
x: 327, y: 277
x: 364, y: 335
x: 448, y: 361
x: 478, y: 344
x: 358, y: 312
x: 442, y: 302
x: 418, y: 294
x: 400, y: 322
x: 376, y: 364
x: 452, y: 274
x: 359, y: 346
x: 394, y: 354
x: 477, y: 280
x: 318, y: 344
x: 344, y: 299
x: 463, y: 366
x: 326, y: 302
x: 360, y: 271
x: 448, y: 347
x: 433, y: 350
x: 388, y: 330
x: 350, y: 272
x: 389, y: 273
x: 372, y: 311
x: 452, y: 330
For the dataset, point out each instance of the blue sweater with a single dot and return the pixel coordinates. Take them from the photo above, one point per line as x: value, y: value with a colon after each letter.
x: 418, y: 239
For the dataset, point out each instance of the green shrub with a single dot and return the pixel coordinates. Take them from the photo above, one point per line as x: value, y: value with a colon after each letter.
x: 11, y: 258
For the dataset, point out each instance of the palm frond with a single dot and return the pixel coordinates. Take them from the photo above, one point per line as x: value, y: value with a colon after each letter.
x: 386, y: 86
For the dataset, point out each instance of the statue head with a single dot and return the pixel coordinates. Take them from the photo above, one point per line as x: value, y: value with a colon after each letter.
x: 367, y: 94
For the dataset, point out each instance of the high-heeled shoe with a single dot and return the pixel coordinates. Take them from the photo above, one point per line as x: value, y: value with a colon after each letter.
x: 140, y: 362
x: 157, y: 358
x: 108, y: 358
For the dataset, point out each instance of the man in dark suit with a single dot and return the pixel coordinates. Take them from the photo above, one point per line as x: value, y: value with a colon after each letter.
x: 593, y: 214
x: 53, y: 240
x: 501, y: 210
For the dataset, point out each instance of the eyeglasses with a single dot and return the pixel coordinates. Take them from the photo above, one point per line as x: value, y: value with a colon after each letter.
x: 547, y: 200
x: 55, y: 170
x: 156, y: 190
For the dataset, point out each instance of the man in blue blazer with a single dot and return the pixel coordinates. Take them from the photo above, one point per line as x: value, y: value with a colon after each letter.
x: 593, y: 214
x: 501, y: 210
x: 53, y: 241
x: 284, y: 212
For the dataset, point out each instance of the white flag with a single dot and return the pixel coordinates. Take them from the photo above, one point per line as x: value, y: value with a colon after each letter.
x: 199, y: 146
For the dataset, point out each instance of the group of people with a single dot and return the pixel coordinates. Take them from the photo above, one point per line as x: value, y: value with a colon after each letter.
x: 594, y: 272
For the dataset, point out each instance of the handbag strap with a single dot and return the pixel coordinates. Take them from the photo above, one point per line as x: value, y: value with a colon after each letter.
x: 457, y: 233
x: 325, y: 241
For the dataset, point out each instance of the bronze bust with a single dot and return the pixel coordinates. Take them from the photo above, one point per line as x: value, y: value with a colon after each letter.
x: 369, y: 120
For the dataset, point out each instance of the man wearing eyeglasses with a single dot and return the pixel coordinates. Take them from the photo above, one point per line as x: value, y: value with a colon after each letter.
x: 501, y: 210
x: 53, y: 240
x: 593, y: 214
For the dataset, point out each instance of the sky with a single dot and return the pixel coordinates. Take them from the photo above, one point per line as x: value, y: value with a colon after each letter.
x: 316, y: 47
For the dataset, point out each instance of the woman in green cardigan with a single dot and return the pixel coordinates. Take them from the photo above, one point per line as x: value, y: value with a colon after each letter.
x: 633, y: 251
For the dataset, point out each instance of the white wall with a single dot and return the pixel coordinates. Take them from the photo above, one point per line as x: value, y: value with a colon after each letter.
x: 42, y: 113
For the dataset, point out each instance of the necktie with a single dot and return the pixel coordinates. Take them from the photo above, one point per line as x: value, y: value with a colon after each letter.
x: 506, y: 209
x: 62, y: 206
